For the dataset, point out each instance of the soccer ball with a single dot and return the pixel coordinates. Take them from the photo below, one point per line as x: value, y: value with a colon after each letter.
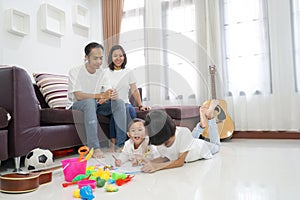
x: 38, y: 158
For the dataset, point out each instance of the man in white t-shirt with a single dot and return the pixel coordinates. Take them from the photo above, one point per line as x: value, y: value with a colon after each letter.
x: 90, y: 92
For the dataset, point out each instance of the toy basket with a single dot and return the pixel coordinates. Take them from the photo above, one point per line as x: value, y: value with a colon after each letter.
x: 72, y: 167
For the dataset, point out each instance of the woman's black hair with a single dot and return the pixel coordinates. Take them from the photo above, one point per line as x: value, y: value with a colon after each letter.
x: 160, y: 126
x: 109, y: 60
x: 88, y: 48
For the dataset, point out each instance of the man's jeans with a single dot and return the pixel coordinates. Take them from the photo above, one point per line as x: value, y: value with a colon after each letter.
x: 130, y: 115
x: 91, y: 108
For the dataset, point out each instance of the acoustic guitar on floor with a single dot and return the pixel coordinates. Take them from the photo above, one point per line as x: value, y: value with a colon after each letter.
x: 224, y: 122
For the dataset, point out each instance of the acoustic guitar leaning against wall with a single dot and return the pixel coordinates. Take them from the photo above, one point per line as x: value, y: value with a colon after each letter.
x: 224, y: 122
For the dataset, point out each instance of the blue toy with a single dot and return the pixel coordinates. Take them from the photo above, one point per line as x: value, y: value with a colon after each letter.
x: 86, y: 193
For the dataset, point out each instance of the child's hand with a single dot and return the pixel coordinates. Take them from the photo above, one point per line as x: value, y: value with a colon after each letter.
x: 117, y: 162
x: 140, y: 159
x: 134, y: 162
x: 148, y: 167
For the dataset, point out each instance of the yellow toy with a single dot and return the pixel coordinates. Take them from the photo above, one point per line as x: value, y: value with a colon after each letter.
x: 110, y: 188
x: 102, y: 174
x: 76, y: 193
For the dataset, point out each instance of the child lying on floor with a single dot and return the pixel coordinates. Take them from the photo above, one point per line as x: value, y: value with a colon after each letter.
x: 177, y: 145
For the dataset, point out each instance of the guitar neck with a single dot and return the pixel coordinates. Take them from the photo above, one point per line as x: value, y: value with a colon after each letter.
x: 213, y: 86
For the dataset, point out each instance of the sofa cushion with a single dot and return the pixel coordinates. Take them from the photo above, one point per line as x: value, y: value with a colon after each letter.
x: 182, y: 112
x: 176, y: 112
x: 54, y: 88
x: 4, y: 118
x: 51, y: 116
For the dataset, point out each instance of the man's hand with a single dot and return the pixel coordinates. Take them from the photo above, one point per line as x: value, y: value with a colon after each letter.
x: 114, y: 94
x: 101, y: 101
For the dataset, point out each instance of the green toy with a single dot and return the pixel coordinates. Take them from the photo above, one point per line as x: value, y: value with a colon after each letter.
x: 100, y: 182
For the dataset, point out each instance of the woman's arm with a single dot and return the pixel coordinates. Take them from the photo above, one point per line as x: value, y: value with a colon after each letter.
x: 137, y: 97
x: 161, y: 163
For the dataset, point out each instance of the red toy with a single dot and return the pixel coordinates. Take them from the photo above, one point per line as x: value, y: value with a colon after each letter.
x: 120, y: 182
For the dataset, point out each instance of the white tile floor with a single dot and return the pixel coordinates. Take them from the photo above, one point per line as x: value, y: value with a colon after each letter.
x: 243, y: 170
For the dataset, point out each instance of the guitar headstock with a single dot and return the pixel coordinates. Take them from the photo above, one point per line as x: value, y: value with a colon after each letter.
x: 212, y: 69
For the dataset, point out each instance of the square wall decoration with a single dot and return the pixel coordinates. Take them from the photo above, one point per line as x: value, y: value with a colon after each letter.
x: 17, y: 22
x: 80, y: 17
x: 52, y: 20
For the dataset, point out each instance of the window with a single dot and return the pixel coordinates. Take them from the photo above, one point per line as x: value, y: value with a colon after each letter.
x: 296, y: 40
x: 132, y: 38
x: 246, y: 48
x: 178, y: 22
x: 132, y: 32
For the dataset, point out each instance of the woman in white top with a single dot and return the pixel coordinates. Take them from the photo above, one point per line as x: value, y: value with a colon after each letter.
x: 122, y: 80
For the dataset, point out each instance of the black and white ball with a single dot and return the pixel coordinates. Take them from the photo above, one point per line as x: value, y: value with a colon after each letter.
x: 38, y: 158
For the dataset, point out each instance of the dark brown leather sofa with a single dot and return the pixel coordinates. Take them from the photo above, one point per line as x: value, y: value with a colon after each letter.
x: 4, y: 120
x: 34, y: 124
x: 3, y: 144
x: 27, y: 129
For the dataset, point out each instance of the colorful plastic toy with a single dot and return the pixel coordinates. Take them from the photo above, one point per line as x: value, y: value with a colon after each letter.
x: 76, y: 193
x: 100, y: 182
x: 86, y: 193
x: 110, y: 188
x: 83, y: 183
x: 120, y: 182
x: 80, y: 177
x: 115, y: 176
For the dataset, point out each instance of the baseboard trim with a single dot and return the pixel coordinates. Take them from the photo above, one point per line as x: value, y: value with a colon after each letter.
x: 266, y: 135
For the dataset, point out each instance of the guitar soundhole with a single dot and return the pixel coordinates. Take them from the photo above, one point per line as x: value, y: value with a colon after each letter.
x: 219, y: 114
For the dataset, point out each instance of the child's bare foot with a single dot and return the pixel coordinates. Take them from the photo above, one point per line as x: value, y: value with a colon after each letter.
x: 119, y: 150
x: 98, y: 153
x: 111, y: 149
x: 203, y: 118
x: 112, y: 145
x: 212, y: 106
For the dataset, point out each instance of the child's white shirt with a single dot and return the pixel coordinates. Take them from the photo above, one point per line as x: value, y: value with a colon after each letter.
x: 129, y: 152
x: 184, y: 141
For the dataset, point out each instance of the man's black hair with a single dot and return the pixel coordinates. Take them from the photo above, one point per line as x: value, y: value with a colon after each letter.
x: 88, y: 48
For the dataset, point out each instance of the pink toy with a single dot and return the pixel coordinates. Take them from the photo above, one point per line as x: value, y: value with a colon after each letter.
x: 83, y: 183
x: 71, y: 168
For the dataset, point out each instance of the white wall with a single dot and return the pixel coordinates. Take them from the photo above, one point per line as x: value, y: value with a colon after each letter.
x: 42, y: 52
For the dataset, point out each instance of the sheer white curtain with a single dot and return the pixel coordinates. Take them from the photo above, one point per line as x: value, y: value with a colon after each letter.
x: 257, y: 65
x: 296, y: 38
x: 248, y: 41
x: 255, y: 68
x: 246, y: 63
x: 180, y: 51
x: 132, y: 39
